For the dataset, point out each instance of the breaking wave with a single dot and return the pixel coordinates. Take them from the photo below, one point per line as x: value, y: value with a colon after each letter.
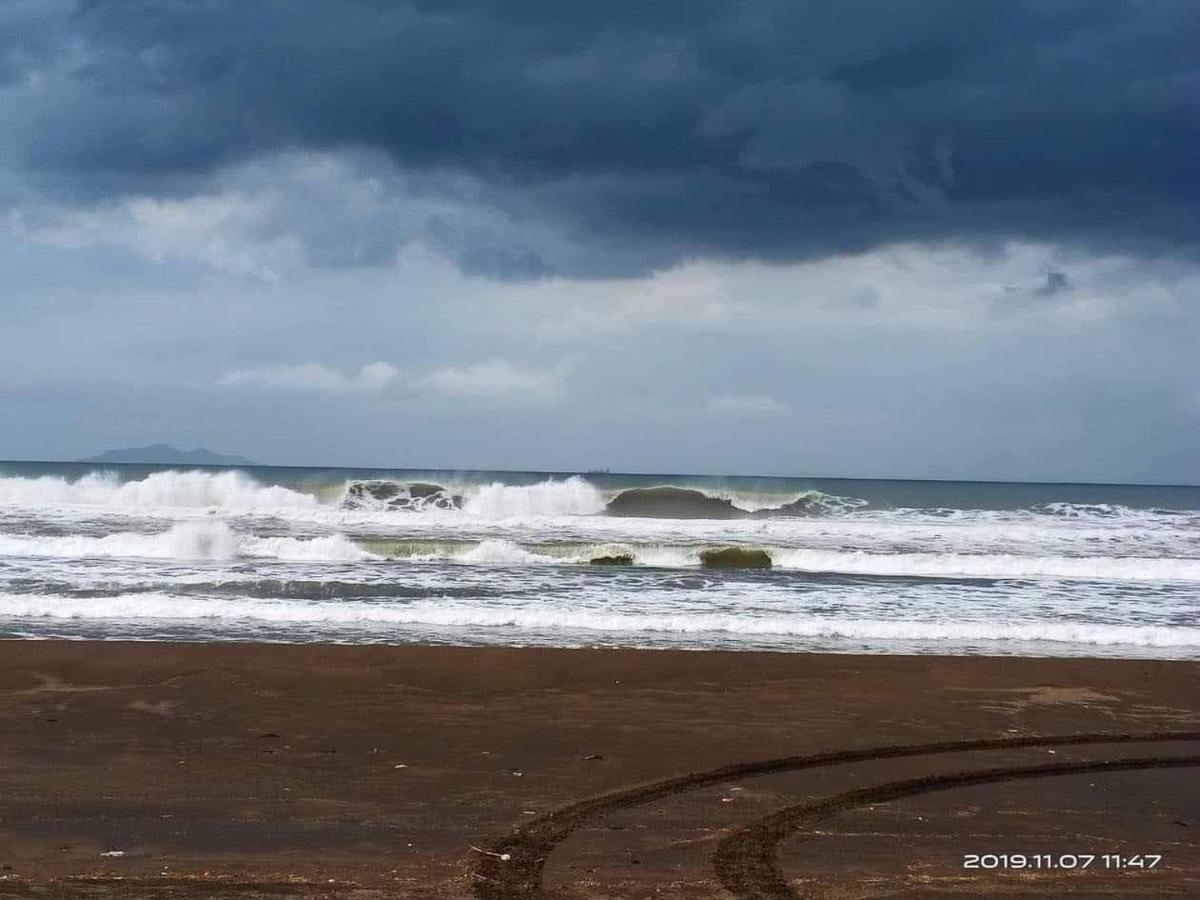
x: 195, y: 540
x: 573, y: 496
x: 496, y: 552
x: 212, y: 539
x: 233, y: 491
x: 236, y: 492
x: 340, y: 554
x: 670, y: 502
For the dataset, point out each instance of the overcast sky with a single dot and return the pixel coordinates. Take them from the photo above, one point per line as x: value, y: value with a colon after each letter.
x: 894, y: 238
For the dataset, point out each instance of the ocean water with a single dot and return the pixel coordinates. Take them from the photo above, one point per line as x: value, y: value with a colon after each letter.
x: 508, y: 558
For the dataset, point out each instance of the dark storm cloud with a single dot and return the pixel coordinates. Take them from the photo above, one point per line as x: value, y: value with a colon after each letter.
x: 644, y: 133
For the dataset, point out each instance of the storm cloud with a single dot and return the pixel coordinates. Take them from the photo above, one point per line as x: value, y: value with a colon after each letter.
x: 613, y: 139
x: 891, y: 238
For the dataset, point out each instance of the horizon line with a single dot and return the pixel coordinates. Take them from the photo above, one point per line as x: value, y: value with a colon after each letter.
x: 585, y: 473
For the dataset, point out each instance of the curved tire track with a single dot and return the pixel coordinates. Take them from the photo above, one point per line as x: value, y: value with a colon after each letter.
x: 511, y: 869
x: 746, y: 860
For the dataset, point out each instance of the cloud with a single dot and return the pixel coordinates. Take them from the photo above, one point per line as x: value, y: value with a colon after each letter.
x: 285, y: 212
x: 946, y: 288
x: 609, y: 145
x: 758, y: 407
x: 494, y: 379
x: 1055, y: 283
x: 965, y: 231
x: 490, y: 380
x: 372, y: 377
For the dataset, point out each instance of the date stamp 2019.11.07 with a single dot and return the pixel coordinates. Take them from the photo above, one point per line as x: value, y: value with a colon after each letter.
x: 1046, y: 861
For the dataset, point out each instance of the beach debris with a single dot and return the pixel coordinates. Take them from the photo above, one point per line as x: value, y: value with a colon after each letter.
x: 503, y: 857
x: 593, y: 756
x: 113, y: 853
x: 726, y: 799
x: 400, y: 766
x: 516, y: 773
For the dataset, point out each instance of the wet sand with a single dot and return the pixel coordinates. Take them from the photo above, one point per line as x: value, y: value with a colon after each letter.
x: 242, y: 770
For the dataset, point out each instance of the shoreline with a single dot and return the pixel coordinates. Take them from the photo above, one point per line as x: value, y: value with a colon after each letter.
x: 367, y: 771
x: 731, y: 648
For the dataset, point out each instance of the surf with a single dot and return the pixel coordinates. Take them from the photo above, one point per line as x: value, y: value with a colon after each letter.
x: 192, y: 540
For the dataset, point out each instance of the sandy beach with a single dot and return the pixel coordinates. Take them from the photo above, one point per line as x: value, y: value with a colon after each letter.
x: 244, y: 770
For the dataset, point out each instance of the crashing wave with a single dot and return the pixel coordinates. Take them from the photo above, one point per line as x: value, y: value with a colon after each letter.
x: 194, y: 540
x: 668, y: 502
x: 415, y: 496
x: 812, y: 503
x: 232, y: 490
x: 502, y: 553
x: 235, y: 492
x: 610, y: 555
x: 573, y: 496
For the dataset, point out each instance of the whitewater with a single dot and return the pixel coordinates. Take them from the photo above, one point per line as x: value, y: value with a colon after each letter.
x: 526, y: 558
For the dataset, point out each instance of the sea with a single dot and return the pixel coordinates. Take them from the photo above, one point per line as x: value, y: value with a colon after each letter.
x: 137, y: 552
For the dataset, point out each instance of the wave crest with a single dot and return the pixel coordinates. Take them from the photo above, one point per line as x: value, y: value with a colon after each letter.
x: 573, y: 496
x: 670, y: 502
x: 233, y: 491
x: 195, y: 540
x: 409, y: 496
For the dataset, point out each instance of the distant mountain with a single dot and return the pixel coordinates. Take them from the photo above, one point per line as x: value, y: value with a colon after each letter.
x: 165, y: 454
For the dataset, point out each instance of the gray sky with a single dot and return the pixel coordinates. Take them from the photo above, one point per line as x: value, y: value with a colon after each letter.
x: 927, y: 239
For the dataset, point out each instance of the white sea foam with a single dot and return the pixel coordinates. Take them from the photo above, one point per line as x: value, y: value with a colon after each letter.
x: 234, y: 491
x: 910, y: 565
x: 211, y: 538
x: 326, y: 548
x: 189, y: 540
x: 988, y: 565
x: 570, y: 497
x: 510, y: 566
x: 151, y: 606
x: 496, y: 552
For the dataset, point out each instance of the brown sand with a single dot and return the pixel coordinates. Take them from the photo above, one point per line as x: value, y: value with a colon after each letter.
x: 242, y: 770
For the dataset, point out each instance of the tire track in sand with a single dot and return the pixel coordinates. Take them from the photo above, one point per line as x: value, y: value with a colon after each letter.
x: 746, y: 860
x: 511, y: 869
